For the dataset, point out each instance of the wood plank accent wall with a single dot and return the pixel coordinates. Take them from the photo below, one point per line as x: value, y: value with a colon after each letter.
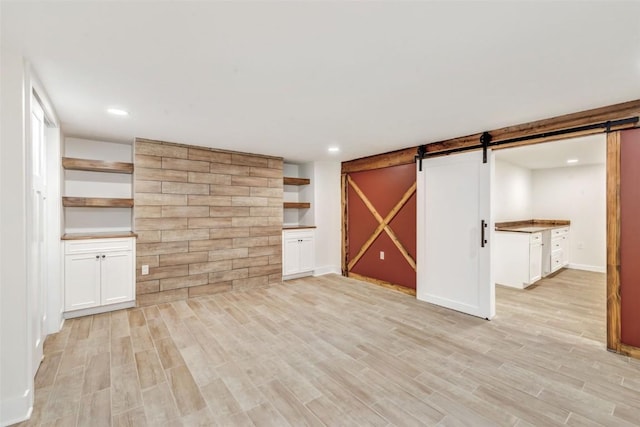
x: 208, y: 220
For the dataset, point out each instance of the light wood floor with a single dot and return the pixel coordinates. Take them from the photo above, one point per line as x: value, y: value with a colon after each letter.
x: 334, y: 351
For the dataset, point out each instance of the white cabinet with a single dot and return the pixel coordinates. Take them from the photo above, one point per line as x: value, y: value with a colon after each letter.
x: 82, y: 281
x: 517, y: 258
x: 535, y: 262
x: 99, y: 275
x: 297, y: 252
x: 559, y: 248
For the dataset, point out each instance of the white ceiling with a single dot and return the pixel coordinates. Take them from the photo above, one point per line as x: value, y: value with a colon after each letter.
x: 588, y: 150
x: 291, y: 78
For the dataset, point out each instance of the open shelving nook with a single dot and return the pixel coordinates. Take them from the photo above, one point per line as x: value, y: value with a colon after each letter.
x: 298, y: 195
x: 98, y: 189
x: 295, y: 181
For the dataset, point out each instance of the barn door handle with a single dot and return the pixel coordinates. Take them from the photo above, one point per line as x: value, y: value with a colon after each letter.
x: 483, y: 226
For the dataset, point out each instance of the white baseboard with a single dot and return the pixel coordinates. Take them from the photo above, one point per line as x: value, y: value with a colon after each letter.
x: 585, y: 267
x: 327, y: 269
x: 297, y: 276
x: 100, y: 309
x: 16, y: 409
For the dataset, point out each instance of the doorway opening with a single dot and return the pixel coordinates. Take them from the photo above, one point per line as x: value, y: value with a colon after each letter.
x: 43, y: 222
x: 549, y: 254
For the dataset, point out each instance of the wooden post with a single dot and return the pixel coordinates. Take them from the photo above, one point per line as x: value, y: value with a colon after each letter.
x: 613, y: 241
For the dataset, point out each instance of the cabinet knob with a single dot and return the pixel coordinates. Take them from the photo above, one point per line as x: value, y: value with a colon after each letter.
x: 97, y: 256
x: 104, y: 256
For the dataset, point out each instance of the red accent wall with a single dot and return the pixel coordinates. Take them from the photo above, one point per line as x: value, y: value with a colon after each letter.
x: 384, y: 188
x: 630, y: 237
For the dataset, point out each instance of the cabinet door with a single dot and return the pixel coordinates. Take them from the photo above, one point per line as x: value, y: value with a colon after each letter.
x: 535, y: 263
x: 291, y: 256
x: 307, y: 256
x: 564, y: 245
x: 81, y: 281
x: 117, y: 280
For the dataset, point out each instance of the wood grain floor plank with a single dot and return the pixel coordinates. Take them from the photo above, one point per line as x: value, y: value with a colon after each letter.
x: 121, y: 351
x: 185, y: 390
x: 141, y: 338
x: 125, y: 388
x: 335, y: 351
x: 168, y: 353
x: 159, y: 405
x: 136, y: 318
x: 98, y: 374
x: 266, y: 415
x: 220, y: 399
x: 132, y: 418
x: 150, y: 371
x: 286, y: 403
x: 95, y: 409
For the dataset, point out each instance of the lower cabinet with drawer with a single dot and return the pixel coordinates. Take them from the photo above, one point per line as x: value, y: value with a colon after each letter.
x: 298, y: 253
x: 559, y: 248
x: 517, y: 258
x: 99, y: 275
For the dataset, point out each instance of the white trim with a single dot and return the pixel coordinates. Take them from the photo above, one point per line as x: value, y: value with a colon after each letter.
x: 43, y: 97
x: 327, y: 269
x: 16, y: 409
x: 97, y: 310
x: 297, y: 275
x: 585, y: 267
x: 28, y: 209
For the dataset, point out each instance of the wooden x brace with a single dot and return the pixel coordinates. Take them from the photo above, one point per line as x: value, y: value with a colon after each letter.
x: 383, y: 224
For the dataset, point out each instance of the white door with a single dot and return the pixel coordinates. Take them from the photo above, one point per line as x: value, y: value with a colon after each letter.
x: 81, y: 281
x: 535, y: 262
x: 307, y: 256
x: 291, y: 256
x: 36, y: 233
x: 454, y: 265
x: 116, y: 280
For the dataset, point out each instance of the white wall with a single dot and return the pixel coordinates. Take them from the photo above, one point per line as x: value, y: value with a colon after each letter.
x: 328, y: 217
x: 16, y: 385
x: 576, y: 193
x: 512, y: 192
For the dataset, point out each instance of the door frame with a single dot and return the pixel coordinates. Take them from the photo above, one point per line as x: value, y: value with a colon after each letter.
x: 598, y: 115
x: 52, y: 210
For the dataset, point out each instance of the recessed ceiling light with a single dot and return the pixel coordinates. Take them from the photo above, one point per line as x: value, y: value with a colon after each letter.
x: 334, y: 149
x: 570, y: 161
x: 117, y: 112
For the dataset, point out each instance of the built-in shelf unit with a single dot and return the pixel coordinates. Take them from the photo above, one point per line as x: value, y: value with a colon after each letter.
x: 97, y: 188
x: 99, y: 242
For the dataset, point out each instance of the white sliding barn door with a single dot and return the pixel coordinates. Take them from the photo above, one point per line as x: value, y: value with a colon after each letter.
x: 454, y: 266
